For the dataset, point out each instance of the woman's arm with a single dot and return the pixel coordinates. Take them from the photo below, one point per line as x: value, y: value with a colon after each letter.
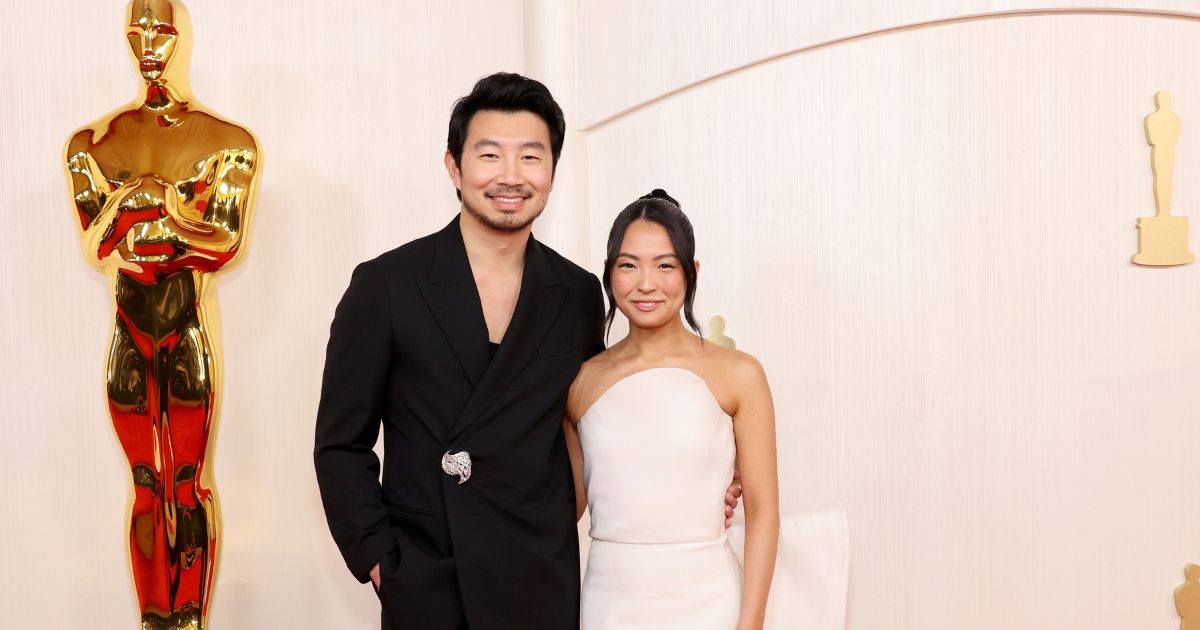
x: 754, y: 430
x: 576, y: 452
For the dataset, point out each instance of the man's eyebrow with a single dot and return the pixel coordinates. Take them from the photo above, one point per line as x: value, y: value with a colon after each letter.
x: 488, y: 142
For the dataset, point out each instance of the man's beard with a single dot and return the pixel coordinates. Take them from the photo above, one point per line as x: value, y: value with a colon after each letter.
x: 504, y: 222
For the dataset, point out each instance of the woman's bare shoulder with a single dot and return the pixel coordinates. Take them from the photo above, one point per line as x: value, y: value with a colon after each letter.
x: 582, y: 388
x: 730, y: 364
x: 730, y: 374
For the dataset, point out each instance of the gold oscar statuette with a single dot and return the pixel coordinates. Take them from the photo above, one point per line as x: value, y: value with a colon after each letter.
x: 162, y: 190
x: 1162, y: 238
x: 1187, y: 599
x: 718, y: 336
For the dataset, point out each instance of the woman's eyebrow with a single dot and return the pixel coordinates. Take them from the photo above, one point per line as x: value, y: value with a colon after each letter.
x: 658, y: 257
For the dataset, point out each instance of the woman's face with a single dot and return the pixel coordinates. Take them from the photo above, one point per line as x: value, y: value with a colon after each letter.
x: 647, y: 278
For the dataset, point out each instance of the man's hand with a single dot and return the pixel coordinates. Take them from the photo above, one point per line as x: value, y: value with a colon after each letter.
x: 731, y: 498
x: 375, y: 569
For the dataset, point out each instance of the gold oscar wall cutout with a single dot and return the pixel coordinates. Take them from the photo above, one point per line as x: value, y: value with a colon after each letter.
x: 163, y: 190
x: 718, y: 336
x: 1187, y: 599
x: 1162, y: 238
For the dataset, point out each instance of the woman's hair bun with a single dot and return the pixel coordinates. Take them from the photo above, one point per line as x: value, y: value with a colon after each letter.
x: 659, y: 193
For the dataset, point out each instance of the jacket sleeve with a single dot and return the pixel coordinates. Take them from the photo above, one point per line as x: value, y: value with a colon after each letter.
x: 353, y: 391
x: 595, y: 316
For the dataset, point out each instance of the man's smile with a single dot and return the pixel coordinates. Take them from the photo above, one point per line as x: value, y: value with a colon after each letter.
x: 507, y: 202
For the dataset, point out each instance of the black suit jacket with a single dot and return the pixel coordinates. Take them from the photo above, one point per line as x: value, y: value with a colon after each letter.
x: 408, y: 351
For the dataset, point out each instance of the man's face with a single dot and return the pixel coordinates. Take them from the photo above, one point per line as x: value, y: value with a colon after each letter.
x: 152, y: 36
x: 506, y: 171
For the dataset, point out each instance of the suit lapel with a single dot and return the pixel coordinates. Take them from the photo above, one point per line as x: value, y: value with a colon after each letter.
x: 453, y: 299
x: 538, y: 305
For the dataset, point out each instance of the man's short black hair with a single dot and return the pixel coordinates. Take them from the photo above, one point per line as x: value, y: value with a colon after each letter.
x: 506, y: 92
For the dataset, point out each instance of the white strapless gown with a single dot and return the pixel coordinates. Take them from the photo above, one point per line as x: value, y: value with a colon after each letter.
x: 658, y: 457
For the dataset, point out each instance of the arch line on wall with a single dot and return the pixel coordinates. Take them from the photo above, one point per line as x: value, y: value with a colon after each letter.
x: 910, y: 26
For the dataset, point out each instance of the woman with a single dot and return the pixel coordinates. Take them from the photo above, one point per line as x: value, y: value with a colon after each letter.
x: 652, y: 425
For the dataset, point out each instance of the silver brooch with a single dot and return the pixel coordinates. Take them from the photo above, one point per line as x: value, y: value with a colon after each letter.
x: 457, y: 464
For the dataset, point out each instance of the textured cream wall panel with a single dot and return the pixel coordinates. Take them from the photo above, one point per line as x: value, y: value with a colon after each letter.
x: 633, y: 51
x: 925, y: 237
x: 350, y: 102
x: 550, y: 58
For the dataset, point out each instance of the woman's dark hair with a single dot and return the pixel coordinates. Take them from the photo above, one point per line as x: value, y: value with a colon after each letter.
x: 506, y: 92
x: 661, y: 208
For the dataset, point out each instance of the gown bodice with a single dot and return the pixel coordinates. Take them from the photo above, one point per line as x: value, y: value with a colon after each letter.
x: 658, y: 457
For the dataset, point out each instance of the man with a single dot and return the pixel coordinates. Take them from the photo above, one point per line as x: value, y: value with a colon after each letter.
x: 463, y: 344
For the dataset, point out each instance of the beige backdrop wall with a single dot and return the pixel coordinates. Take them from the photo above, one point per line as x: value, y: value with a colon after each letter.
x: 922, y: 232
